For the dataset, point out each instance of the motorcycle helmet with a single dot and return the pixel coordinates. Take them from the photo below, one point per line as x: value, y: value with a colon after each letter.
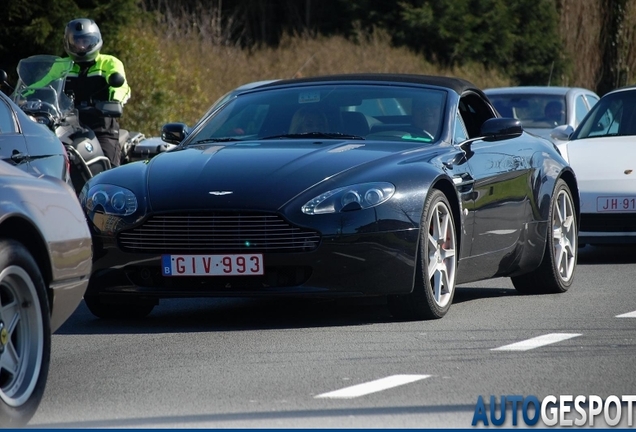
x: 82, y: 40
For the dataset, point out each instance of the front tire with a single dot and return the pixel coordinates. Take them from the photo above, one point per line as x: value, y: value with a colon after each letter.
x: 555, y: 274
x: 434, y: 287
x: 25, y: 335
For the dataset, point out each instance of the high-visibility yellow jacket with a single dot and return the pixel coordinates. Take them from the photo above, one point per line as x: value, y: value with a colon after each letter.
x: 88, y: 82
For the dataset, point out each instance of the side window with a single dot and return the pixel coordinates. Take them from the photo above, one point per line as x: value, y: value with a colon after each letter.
x: 474, y: 112
x: 580, y: 109
x: 7, y: 119
x: 608, y: 121
x: 459, y: 133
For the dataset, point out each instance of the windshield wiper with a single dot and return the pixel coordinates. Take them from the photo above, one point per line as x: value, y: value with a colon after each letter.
x: 213, y: 140
x: 315, y: 135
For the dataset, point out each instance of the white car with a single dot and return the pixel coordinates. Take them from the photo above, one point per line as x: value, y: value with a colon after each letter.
x: 602, y: 152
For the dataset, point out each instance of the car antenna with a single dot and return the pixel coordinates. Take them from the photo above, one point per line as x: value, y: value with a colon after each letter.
x: 550, y: 77
x: 298, y: 73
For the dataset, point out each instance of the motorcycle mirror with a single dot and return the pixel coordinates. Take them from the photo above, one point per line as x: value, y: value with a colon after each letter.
x: 116, y: 80
x: 4, y: 80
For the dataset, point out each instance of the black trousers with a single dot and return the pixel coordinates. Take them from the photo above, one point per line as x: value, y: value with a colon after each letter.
x: 107, y: 132
x: 109, y: 141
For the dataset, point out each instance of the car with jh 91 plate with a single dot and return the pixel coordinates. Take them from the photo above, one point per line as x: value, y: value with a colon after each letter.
x: 304, y: 188
x: 601, y: 151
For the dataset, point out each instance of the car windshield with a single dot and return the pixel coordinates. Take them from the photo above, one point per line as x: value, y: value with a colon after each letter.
x: 614, y: 114
x: 328, y: 111
x: 533, y: 110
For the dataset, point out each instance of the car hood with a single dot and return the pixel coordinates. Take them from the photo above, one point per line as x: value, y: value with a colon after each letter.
x: 254, y: 175
x: 542, y: 132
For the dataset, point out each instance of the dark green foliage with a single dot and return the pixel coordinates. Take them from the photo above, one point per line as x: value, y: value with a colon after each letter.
x: 29, y: 27
x: 519, y: 37
x: 263, y: 22
x: 537, y: 58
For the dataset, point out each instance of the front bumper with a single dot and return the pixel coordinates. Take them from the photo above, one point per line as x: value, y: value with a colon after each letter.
x: 367, y: 264
x: 607, y: 228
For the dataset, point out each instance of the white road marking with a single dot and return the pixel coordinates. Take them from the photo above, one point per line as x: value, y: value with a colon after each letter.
x: 372, y: 386
x: 627, y: 315
x: 537, y: 342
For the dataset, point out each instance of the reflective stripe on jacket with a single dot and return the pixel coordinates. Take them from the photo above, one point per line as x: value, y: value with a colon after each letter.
x: 90, y: 81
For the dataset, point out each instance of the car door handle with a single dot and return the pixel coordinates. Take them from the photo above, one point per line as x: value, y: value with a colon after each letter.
x: 18, y: 157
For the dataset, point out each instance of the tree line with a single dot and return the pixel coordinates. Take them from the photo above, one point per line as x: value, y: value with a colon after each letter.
x: 535, y: 42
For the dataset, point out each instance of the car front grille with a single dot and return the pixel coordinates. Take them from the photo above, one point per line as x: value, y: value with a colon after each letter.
x: 217, y: 232
x: 608, y: 222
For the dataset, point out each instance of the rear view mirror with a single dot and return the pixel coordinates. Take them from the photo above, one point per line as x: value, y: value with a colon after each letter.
x: 501, y: 128
x: 562, y: 133
x: 174, y: 133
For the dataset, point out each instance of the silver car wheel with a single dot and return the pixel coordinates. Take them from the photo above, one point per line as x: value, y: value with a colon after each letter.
x: 441, y: 254
x: 555, y: 272
x: 564, y: 235
x: 21, y: 336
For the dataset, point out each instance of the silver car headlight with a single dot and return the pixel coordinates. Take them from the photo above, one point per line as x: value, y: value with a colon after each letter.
x: 112, y: 200
x: 349, y: 198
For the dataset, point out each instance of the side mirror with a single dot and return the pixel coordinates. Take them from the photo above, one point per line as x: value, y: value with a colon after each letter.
x: 3, y: 77
x: 116, y: 80
x: 501, y: 128
x: 174, y: 133
x: 562, y: 133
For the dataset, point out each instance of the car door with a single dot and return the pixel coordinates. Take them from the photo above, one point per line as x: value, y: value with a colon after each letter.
x: 13, y: 148
x: 501, y: 172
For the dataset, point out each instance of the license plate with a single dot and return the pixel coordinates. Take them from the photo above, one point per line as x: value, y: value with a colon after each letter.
x: 212, y: 265
x: 615, y: 204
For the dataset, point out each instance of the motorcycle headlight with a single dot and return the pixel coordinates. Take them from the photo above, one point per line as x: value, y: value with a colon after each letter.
x: 349, y: 198
x: 110, y: 199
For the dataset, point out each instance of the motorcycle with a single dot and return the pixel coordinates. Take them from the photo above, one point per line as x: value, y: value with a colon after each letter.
x: 48, y: 104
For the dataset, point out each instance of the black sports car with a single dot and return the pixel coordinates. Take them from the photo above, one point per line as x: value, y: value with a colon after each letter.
x: 353, y: 185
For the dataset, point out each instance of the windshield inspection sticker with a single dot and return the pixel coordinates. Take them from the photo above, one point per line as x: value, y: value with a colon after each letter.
x: 309, y: 97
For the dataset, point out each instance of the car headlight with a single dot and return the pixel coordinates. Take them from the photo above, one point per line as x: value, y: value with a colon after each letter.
x: 112, y: 200
x: 349, y: 198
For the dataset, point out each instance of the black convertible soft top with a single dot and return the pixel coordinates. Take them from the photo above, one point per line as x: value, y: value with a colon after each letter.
x: 458, y: 85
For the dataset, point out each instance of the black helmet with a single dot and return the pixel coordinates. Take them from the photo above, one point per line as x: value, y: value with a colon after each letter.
x: 82, y: 40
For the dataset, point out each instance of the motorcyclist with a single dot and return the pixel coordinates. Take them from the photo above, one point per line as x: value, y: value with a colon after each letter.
x: 88, y: 81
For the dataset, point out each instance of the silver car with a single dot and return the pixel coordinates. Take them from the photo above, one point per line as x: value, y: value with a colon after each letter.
x: 542, y: 108
x: 45, y: 261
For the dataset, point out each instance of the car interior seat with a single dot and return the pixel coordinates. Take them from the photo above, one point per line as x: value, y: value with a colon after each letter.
x: 354, y: 123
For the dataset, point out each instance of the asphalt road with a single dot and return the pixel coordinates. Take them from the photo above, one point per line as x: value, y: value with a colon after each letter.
x: 270, y: 363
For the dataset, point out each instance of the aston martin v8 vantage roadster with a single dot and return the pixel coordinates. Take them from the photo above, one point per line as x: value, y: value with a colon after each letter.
x: 307, y: 187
